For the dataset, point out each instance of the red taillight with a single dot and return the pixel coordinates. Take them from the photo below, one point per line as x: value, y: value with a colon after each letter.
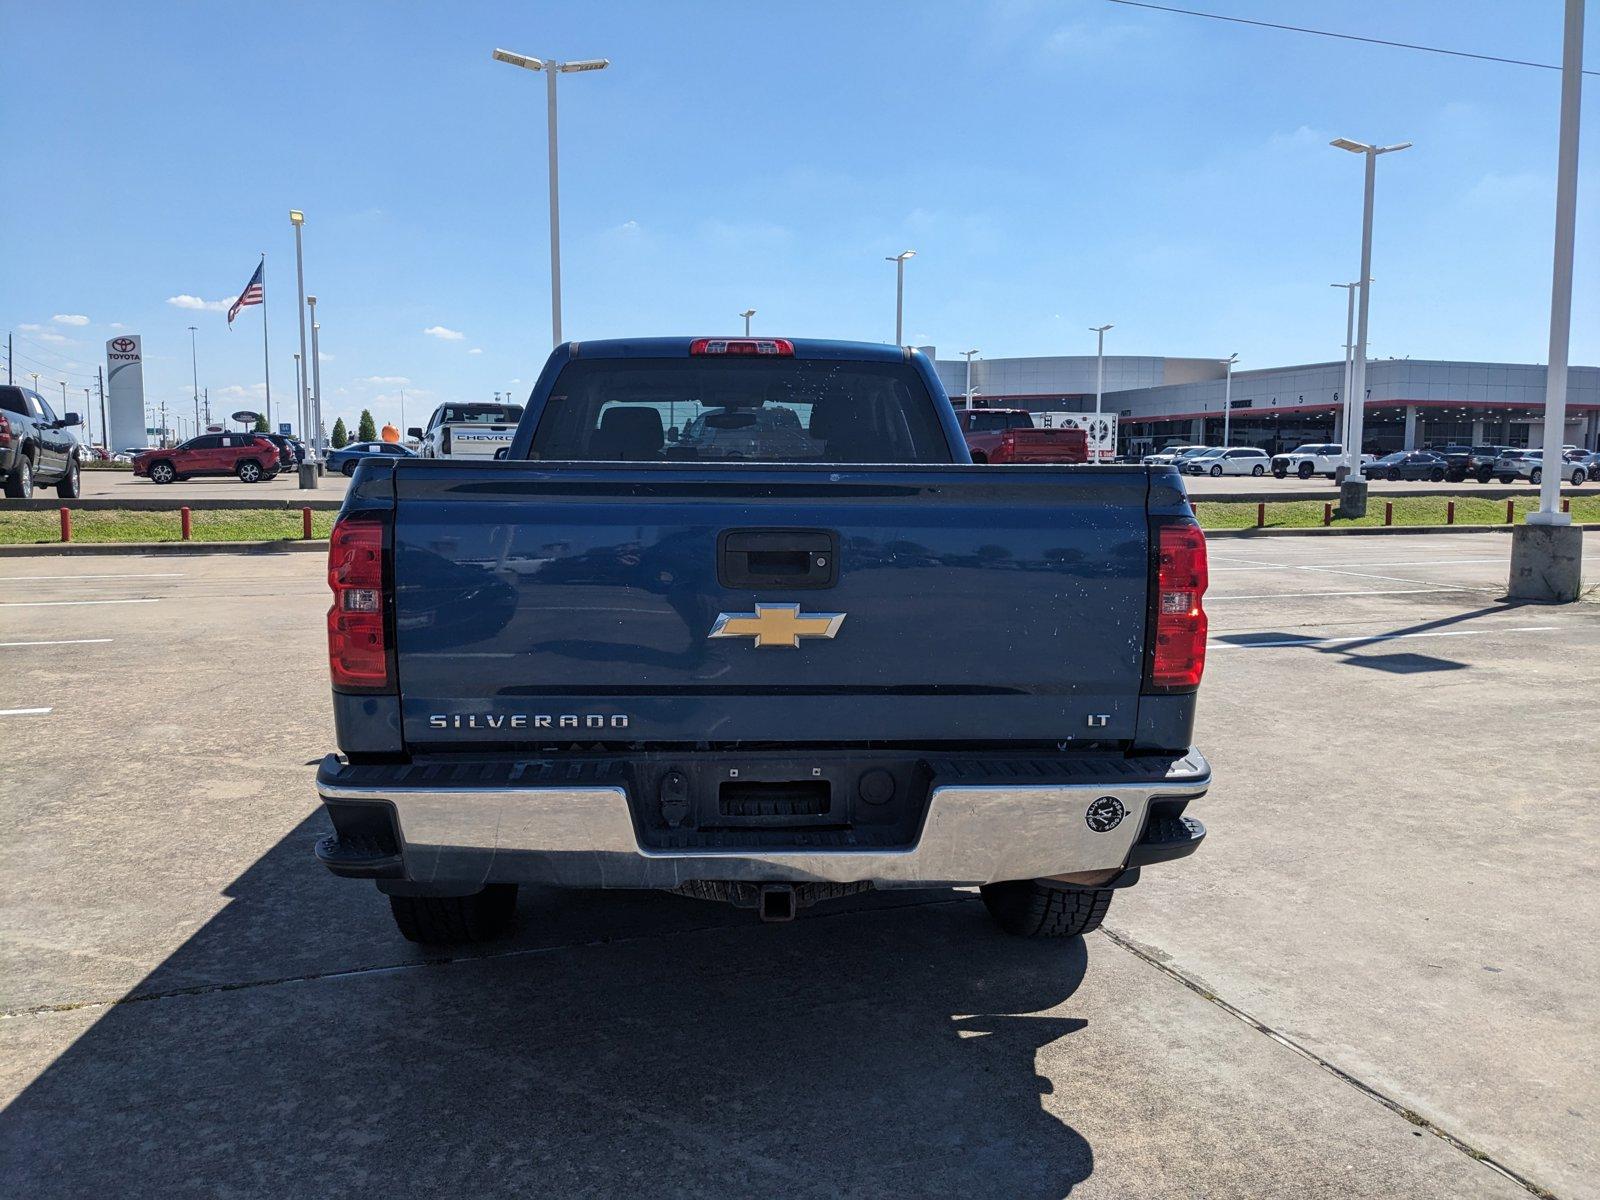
x: 5, y: 431
x: 781, y: 347
x: 1178, y: 657
x: 358, y: 649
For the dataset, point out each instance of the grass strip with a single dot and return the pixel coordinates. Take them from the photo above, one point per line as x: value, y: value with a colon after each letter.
x: 127, y: 525
x: 1479, y: 509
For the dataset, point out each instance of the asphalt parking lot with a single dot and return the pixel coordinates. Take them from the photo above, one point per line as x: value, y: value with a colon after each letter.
x: 1376, y: 978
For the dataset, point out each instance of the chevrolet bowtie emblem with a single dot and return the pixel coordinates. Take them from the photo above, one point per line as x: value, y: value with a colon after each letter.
x: 777, y: 625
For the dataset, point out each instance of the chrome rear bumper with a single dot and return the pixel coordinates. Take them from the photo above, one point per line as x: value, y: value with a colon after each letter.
x: 583, y: 836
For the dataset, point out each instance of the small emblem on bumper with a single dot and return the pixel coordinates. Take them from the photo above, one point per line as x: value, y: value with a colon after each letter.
x: 1105, y: 814
x: 777, y: 625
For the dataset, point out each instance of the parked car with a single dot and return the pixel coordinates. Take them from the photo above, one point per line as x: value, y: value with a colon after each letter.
x: 1228, y: 460
x: 348, y: 458
x: 1169, y: 455
x: 542, y: 647
x: 1529, y: 465
x: 1409, y: 464
x: 1008, y: 435
x: 250, y: 456
x: 467, y: 430
x: 767, y: 432
x: 35, y: 447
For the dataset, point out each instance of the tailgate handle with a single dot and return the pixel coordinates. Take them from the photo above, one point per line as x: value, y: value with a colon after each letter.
x: 778, y: 558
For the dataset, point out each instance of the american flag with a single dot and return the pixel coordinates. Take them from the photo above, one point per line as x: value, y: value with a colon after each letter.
x: 255, y: 292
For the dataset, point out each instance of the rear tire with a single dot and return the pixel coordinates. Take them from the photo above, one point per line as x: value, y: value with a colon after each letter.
x: 349, y: 469
x: 1036, y: 909
x: 1436, y: 476
x: 456, y: 920
x: 19, y: 484
x: 1577, y: 478
x: 249, y: 471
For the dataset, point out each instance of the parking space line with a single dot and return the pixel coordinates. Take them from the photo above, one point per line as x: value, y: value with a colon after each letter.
x: 1211, y: 599
x: 61, y: 603
x: 1375, y: 637
x: 62, y: 642
x: 4, y: 579
x: 24, y: 712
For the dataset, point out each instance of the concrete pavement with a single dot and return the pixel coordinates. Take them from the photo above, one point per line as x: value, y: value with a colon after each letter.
x: 1393, y: 912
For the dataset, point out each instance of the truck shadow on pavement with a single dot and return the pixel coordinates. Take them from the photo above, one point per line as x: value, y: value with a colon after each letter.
x: 619, y: 1044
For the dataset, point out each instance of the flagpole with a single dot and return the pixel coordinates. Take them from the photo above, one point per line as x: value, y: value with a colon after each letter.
x: 266, y: 354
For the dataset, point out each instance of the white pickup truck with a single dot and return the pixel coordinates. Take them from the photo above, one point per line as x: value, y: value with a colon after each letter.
x: 467, y: 430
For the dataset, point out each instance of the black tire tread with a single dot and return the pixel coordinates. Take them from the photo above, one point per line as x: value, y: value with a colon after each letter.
x: 455, y: 920
x: 1029, y: 908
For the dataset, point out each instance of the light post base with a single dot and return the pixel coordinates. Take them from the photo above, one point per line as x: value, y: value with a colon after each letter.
x: 1353, y: 497
x: 308, y: 476
x: 1546, y: 563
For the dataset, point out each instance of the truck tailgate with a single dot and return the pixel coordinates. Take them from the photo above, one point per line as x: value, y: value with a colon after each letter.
x: 539, y: 606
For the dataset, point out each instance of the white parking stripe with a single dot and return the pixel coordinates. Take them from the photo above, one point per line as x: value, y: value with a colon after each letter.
x: 72, y: 578
x: 63, y: 642
x: 60, y: 603
x: 1376, y: 637
x: 1210, y: 598
x: 24, y: 712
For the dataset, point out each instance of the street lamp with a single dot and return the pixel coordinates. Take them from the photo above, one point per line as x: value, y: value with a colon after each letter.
x: 899, y: 261
x: 969, y: 354
x: 1100, y: 363
x: 1227, y: 397
x: 747, y: 314
x: 298, y: 220
x: 1356, y: 506
x: 194, y: 365
x: 316, y: 381
x: 551, y: 69
x: 1349, y: 346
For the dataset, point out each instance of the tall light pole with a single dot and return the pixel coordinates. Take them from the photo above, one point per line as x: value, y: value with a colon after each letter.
x: 969, y: 354
x: 1227, y: 397
x: 300, y: 391
x: 1547, y: 553
x: 298, y: 220
x: 316, y: 381
x: 1356, y: 504
x: 1100, y: 363
x: 88, y: 417
x: 1349, y: 353
x: 194, y: 366
x: 747, y: 314
x: 899, y: 261
x: 551, y: 69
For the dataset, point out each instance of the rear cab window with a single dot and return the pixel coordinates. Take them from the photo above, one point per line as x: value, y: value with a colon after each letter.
x: 783, y: 410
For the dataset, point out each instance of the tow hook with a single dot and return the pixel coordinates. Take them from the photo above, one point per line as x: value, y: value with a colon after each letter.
x: 776, y: 902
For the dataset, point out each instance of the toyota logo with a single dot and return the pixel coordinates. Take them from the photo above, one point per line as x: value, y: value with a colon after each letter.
x: 123, y: 345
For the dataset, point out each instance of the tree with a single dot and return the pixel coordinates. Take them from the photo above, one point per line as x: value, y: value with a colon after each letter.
x: 261, y: 423
x: 341, y: 437
x: 367, y: 429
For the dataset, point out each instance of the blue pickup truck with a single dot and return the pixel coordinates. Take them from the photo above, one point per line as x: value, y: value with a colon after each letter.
x: 806, y: 650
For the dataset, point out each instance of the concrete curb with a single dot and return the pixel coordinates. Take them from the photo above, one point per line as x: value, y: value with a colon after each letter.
x: 1440, y: 492
x: 42, y: 549
x: 1357, y: 531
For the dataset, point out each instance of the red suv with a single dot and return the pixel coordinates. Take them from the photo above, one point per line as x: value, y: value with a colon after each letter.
x: 250, y: 456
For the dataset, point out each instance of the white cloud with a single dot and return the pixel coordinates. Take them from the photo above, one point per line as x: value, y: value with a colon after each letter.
x: 324, y: 356
x: 41, y: 334
x: 629, y: 229
x: 476, y: 350
x: 196, y: 304
x: 385, y: 380
x: 443, y: 334
x: 118, y: 325
x: 70, y: 319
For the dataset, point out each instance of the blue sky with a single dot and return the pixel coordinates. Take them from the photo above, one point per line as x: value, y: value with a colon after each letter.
x: 1055, y: 166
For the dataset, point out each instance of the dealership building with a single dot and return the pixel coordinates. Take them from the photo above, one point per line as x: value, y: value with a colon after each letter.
x: 1410, y: 403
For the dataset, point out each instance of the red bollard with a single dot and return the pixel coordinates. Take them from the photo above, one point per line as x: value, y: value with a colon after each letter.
x: 1511, y: 507
x: 66, y: 524
x: 1566, y: 505
x: 1327, y: 512
x: 305, y: 523
x: 1449, y: 512
x: 1388, y: 512
x: 183, y: 517
x: 1261, y: 513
